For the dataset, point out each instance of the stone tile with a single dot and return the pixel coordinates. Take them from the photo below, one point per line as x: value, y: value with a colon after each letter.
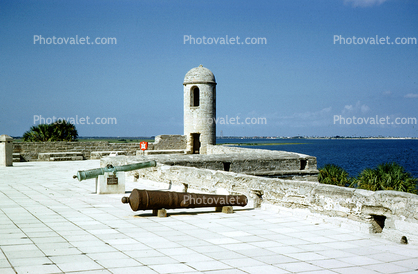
x: 31, y: 261
x: 194, y: 257
x: 143, y: 253
x: 100, y: 271
x: 335, y: 253
x: 242, y: 262
x: 236, y: 247
x: 61, y: 251
x: 208, y: 265
x: 293, y: 242
x: 340, y: 245
x: 95, y: 248
x: 179, y: 251
x: 223, y: 240
x: 298, y: 267
x: 7, y: 271
x: 362, y: 251
x: 130, y: 247
x: 108, y: 256
x: 4, y: 263
x: 409, y: 263
x: 133, y: 270
x: 43, y: 240
x: 264, y: 269
x: 331, y: 263
x: 286, y: 250
x: 355, y: 269
x: 225, y: 271
x: 275, y: 259
x: 313, y: 247
x: 307, y: 256
x: 324, y: 271
x: 235, y: 233
x: 388, y: 268
x: 38, y: 269
x: 114, y: 263
x: 157, y: 260
x: 224, y: 255
x: 13, y: 248
x: 171, y: 268
x: 264, y: 243
x: 360, y: 260
x: 24, y: 254
x: 388, y: 257
x: 166, y: 244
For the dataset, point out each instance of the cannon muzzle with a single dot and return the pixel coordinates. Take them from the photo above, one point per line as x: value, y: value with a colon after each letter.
x: 155, y: 199
x: 93, y: 173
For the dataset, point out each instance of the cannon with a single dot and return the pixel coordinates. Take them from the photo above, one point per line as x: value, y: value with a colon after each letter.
x: 110, y: 179
x: 94, y: 173
x: 157, y: 200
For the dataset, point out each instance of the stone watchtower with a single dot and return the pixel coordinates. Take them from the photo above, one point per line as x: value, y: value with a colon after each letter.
x: 199, y: 109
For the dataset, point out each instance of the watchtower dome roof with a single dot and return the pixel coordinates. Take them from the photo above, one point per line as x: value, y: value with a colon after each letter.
x: 199, y: 75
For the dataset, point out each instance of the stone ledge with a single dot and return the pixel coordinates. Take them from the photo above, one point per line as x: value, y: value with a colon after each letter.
x: 99, y: 154
x: 163, y: 151
x: 60, y: 156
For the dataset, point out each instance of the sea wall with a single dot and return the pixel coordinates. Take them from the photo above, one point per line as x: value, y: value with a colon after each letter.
x: 392, y: 214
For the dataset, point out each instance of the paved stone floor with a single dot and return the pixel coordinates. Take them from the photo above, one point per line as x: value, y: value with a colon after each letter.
x: 51, y: 223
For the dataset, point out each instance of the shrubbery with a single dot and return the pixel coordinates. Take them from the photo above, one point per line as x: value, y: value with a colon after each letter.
x: 58, y: 131
x: 389, y: 176
x: 334, y: 175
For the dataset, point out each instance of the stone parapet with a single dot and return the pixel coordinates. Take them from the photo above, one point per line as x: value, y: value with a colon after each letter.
x: 393, y: 214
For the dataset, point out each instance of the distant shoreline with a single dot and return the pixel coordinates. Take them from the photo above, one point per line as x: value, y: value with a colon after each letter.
x: 151, y: 138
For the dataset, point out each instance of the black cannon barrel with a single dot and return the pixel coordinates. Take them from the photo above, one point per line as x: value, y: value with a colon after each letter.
x: 156, y: 199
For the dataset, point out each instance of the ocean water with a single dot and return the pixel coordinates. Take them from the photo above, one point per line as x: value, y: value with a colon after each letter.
x: 352, y: 155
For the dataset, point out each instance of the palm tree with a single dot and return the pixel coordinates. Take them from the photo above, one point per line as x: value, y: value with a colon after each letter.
x: 58, y: 131
x: 63, y: 131
x: 389, y: 176
x: 40, y: 133
x: 333, y: 175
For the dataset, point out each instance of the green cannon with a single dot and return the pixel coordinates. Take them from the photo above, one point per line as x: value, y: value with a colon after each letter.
x: 94, y: 173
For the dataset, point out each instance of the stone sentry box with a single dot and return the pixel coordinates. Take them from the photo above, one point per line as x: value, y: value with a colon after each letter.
x: 6, y: 150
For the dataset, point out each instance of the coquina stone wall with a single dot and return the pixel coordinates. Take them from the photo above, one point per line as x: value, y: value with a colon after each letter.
x: 391, y: 213
x: 29, y: 150
x: 168, y: 142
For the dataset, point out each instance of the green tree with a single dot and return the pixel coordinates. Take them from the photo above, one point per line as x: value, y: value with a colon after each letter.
x: 64, y: 131
x: 58, y: 131
x: 334, y: 175
x: 388, y: 176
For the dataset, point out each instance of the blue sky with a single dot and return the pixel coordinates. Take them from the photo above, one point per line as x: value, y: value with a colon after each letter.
x: 300, y: 81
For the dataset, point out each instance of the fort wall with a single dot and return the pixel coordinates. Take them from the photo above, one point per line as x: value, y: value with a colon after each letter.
x: 393, y: 214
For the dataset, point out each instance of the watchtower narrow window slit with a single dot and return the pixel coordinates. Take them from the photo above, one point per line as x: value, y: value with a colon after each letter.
x: 194, y: 97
